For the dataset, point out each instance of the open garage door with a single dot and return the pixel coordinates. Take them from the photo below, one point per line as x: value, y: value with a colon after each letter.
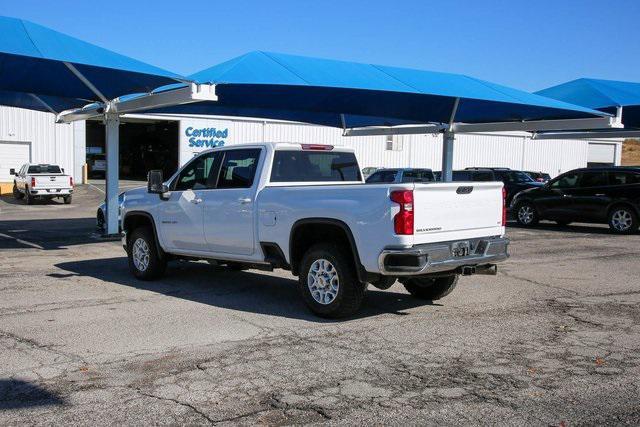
x: 144, y: 145
x: 601, y: 154
x: 13, y: 155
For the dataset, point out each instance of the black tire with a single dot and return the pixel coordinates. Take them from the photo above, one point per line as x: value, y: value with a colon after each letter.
x: 28, y: 197
x: 350, y: 291
x: 431, y: 288
x: 67, y: 200
x: 563, y: 223
x: 526, y: 214
x: 623, y: 220
x: 156, y: 265
x: 100, y: 220
x: 16, y: 193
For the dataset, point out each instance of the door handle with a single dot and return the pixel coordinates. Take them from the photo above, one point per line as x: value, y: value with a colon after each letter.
x: 196, y: 201
x: 566, y: 195
x: 244, y: 200
x: 599, y: 194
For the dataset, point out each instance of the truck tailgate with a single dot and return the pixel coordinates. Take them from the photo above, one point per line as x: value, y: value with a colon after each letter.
x: 458, y: 210
x: 51, y: 181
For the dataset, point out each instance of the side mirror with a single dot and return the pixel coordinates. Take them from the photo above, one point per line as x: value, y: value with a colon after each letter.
x: 155, y: 183
x: 12, y: 171
x: 62, y: 169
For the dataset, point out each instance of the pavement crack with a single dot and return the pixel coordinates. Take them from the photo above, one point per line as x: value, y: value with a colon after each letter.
x: 178, y: 402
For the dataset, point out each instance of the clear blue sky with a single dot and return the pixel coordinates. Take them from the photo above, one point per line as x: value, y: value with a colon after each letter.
x: 528, y: 44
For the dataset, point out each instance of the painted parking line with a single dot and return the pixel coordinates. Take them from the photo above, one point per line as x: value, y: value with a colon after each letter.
x: 97, y: 188
x: 21, y: 241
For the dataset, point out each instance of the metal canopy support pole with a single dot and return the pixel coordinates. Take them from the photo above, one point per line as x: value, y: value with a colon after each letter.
x: 112, y: 127
x: 448, y: 137
x: 447, y: 156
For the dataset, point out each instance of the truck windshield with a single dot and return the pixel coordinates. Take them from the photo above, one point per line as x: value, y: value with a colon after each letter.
x: 43, y: 169
x: 314, y: 166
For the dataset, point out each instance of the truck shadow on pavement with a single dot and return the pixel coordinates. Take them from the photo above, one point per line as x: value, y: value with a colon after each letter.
x: 18, y: 394
x: 248, y: 291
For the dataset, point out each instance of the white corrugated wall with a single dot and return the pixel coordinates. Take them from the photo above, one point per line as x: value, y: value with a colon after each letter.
x: 54, y: 143
x: 50, y: 142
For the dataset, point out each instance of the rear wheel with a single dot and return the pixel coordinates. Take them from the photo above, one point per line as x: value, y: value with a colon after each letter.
x: 431, y: 288
x: 144, y: 260
x: 28, y: 197
x: 526, y: 214
x: 328, y: 282
x: 16, y: 193
x: 623, y: 220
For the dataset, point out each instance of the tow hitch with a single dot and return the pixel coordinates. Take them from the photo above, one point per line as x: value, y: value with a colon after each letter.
x: 488, y: 269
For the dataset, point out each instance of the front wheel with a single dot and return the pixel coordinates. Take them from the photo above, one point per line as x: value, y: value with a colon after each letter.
x: 67, y: 200
x: 328, y: 282
x: 623, y: 220
x: 144, y: 260
x: 526, y: 214
x: 431, y: 288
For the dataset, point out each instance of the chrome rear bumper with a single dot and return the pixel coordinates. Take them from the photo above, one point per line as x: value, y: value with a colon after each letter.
x: 442, y: 256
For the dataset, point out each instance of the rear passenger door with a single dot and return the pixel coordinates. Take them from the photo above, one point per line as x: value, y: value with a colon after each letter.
x: 229, y: 209
x: 592, y: 196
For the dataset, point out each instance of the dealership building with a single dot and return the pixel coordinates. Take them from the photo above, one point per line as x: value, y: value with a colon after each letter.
x: 168, y: 141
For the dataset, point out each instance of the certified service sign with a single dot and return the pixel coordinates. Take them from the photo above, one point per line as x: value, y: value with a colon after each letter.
x: 206, y: 137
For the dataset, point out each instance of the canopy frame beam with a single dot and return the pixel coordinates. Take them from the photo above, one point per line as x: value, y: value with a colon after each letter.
x: 85, y: 81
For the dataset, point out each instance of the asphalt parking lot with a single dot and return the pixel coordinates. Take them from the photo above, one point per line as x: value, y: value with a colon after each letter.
x: 553, y: 339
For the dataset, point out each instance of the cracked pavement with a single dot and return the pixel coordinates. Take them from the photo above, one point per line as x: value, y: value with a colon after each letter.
x: 552, y: 339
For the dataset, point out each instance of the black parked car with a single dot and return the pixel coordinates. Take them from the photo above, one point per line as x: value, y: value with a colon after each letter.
x: 514, y: 181
x: 608, y: 195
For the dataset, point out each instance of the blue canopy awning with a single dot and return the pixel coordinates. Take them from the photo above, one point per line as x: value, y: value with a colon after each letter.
x: 348, y: 94
x: 603, y: 95
x: 33, y: 60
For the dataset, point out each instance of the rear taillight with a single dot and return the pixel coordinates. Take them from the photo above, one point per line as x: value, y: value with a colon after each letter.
x: 403, y: 221
x: 504, y: 206
x: 33, y: 182
x: 71, y: 181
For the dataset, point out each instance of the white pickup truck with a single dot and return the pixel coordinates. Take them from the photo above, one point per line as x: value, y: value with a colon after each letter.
x: 37, y: 181
x: 305, y: 208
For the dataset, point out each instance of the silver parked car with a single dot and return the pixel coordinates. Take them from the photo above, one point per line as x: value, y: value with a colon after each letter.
x: 101, y: 214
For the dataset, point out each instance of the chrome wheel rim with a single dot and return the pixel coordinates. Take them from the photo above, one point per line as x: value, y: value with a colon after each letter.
x: 141, y: 254
x: 525, y: 214
x: 621, y: 220
x: 323, y: 281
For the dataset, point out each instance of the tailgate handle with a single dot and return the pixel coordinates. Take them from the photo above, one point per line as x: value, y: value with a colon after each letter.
x: 464, y: 189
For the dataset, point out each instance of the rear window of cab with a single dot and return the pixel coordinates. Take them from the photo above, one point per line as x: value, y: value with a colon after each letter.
x: 314, y: 166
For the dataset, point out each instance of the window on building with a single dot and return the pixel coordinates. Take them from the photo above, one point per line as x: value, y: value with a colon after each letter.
x: 394, y: 143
